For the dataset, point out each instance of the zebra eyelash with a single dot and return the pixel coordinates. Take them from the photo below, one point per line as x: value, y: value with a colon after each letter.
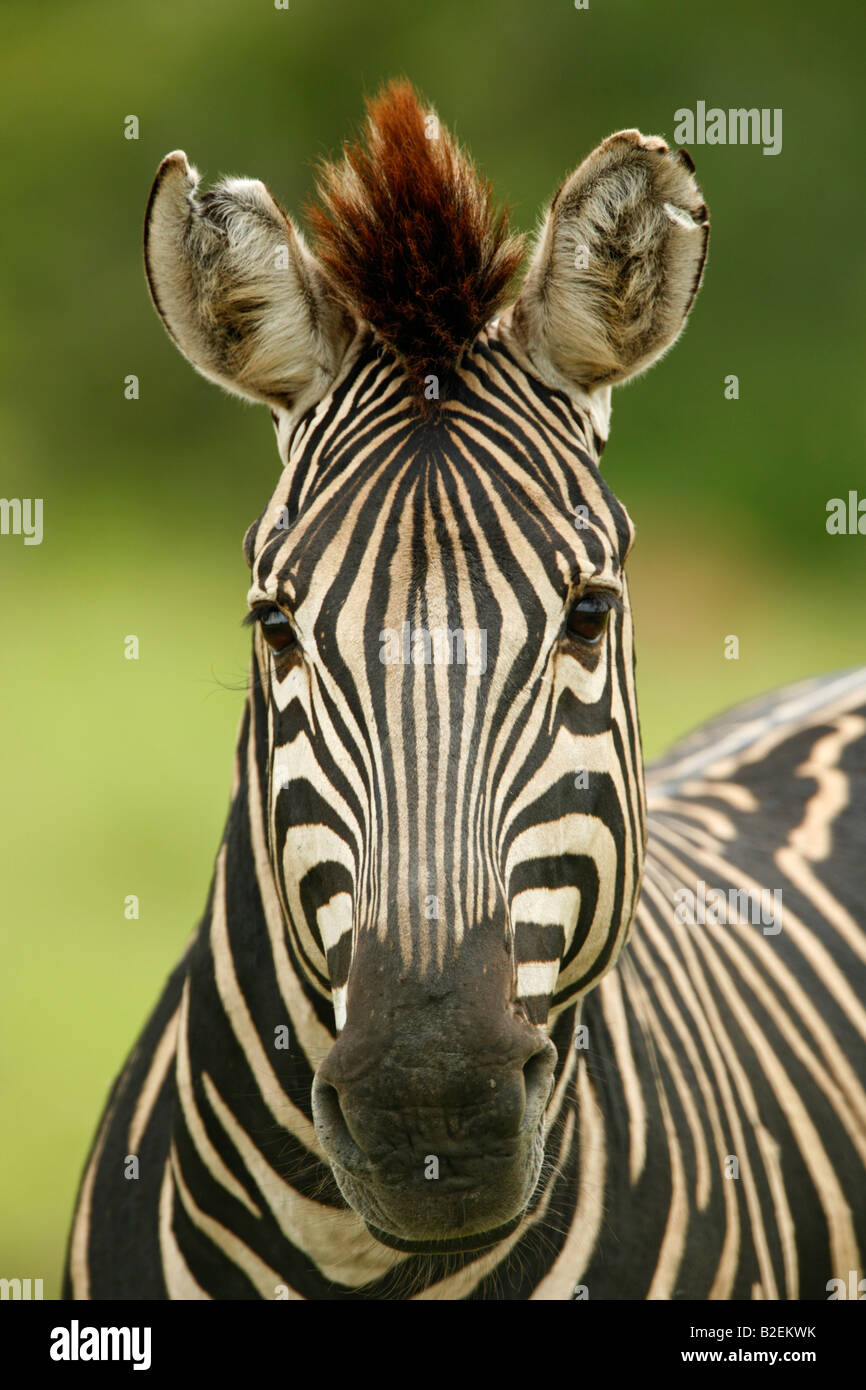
x: 256, y: 614
x: 612, y: 602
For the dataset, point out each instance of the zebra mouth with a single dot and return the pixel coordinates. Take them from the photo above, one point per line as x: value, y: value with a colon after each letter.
x: 460, y: 1245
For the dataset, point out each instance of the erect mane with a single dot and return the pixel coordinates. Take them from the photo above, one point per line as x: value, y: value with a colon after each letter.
x: 409, y: 237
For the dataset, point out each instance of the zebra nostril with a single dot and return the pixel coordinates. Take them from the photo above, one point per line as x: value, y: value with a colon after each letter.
x: 538, y: 1080
x: 332, y: 1128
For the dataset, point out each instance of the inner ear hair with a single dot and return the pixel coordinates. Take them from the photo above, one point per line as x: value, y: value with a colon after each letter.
x: 238, y: 289
x: 617, y: 263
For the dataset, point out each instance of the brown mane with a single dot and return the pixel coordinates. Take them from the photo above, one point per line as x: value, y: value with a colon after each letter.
x: 409, y: 238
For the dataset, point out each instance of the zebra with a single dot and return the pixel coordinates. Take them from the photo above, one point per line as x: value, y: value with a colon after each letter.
x: 472, y: 1012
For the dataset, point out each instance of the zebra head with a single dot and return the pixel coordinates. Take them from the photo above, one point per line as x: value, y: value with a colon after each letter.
x: 448, y: 748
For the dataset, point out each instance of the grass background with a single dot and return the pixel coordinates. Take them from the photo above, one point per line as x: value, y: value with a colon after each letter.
x: 116, y: 774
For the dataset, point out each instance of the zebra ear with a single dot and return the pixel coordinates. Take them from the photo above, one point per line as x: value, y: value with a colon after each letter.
x: 238, y: 290
x: 617, y: 263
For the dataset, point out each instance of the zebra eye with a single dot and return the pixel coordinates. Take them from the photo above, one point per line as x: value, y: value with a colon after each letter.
x: 276, y: 628
x: 588, y: 618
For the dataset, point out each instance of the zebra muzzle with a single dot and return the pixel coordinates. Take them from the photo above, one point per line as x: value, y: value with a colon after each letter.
x: 436, y: 1147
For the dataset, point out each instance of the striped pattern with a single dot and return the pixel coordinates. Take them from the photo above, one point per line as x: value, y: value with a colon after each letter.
x: 709, y: 1043
x: 463, y: 526
x: 396, y: 1059
x: 744, y: 1039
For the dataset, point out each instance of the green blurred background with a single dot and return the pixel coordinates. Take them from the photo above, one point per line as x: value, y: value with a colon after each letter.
x: 116, y: 773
